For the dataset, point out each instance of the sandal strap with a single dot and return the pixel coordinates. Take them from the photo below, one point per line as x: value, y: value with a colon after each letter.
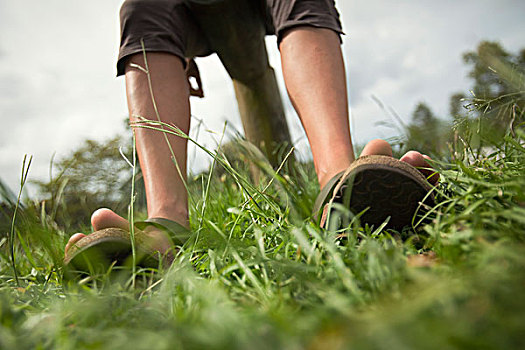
x: 324, y: 195
x: 178, y: 233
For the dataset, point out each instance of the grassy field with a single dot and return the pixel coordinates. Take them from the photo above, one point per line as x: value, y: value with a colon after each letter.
x: 260, y: 274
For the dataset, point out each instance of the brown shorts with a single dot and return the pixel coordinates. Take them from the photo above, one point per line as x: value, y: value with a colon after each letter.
x: 169, y: 26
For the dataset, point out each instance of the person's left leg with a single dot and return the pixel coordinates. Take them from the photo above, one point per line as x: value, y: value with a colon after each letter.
x: 315, y: 78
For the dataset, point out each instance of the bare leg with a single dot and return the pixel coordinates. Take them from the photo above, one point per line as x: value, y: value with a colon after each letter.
x: 314, y: 73
x: 315, y: 78
x: 165, y: 192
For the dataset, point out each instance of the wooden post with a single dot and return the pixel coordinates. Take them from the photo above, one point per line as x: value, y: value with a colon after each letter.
x: 235, y: 30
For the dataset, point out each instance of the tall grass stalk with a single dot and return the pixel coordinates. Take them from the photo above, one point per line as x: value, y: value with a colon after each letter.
x: 23, y: 179
x: 146, y: 70
x: 206, y: 193
x: 131, y: 211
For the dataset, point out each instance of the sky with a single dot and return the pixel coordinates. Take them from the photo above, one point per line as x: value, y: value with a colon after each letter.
x: 58, y: 85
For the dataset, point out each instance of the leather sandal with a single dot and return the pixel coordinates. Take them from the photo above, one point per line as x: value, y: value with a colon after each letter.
x: 102, y: 249
x: 379, y: 188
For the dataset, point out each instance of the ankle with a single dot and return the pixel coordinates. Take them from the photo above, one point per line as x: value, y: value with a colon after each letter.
x: 326, y: 175
x: 178, y: 214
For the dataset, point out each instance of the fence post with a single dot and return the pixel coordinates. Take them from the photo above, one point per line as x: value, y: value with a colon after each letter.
x: 235, y: 30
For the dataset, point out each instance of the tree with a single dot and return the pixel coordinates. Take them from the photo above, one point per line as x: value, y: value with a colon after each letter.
x: 495, y: 71
x: 94, y: 175
x: 425, y: 131
x: 499, y: 87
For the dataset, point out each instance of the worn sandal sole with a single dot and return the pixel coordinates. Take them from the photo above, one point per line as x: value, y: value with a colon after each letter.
x: 381, y: 186
x: 101, y: 250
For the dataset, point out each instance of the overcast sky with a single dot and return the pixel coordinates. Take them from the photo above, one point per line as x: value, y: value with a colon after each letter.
x: 58, y: 85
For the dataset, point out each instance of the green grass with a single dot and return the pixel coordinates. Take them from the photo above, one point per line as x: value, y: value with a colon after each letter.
x: 260, y: 274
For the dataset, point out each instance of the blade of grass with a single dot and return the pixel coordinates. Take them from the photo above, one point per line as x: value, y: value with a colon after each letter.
x: 131, y: 212
x: 23, y: 179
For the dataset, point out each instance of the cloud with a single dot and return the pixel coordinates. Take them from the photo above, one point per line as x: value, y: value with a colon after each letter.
x: 56, y: 80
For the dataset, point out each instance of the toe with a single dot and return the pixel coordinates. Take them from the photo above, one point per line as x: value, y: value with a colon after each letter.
x: 415, y: 159
x: 72, y: 240
x: 419, y: 161
x: 106, y: 218
x: 377, y: 147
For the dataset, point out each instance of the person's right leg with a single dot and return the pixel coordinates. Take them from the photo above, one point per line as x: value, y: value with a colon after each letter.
x: 315, y: 78
x: 165, y: 191
x: 314, y: 73
x: 165, y: 28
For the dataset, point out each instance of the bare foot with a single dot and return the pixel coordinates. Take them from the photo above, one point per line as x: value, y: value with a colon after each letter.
x: 106, y: 218
x: 414, y: 158
x: 419, y: 161
x: 380, y: 198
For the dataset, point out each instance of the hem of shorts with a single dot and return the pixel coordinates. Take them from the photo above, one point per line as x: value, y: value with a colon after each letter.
x: 336, y: 28
x: 123, y: 55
